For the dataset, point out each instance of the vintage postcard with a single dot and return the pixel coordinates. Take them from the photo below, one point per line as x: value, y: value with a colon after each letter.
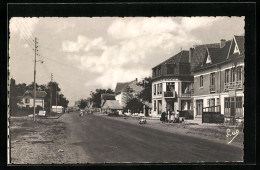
x: 126, y: 90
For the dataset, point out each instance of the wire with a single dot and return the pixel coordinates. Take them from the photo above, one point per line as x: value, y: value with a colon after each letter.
x: 24, y: 37
x: 27, y: 34
x: 29, y: 30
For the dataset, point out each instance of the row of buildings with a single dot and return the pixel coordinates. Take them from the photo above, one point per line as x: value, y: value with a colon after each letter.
x: 208, y: 77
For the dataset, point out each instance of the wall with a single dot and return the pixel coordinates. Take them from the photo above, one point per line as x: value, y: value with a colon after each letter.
x: 160, y: 97
x: 204, y: 93
x: 119, y: 98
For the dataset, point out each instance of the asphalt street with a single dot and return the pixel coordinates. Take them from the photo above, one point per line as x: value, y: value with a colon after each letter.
x: 112, y: 141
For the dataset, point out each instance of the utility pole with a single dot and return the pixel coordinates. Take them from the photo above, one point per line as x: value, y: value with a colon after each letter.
x: 51, y: 93
x: 56, y: 97
x: 34, y: 84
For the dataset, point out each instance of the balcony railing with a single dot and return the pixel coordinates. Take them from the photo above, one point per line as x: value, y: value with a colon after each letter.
x: 233, y: 85
x: 212, y: 88
x: 186, y: 95
x: 169, y: 94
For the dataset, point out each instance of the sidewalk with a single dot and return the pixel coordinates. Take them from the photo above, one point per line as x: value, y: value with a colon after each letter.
x: 37, y: 117
x: 213, y: 132
x: 43, y: 141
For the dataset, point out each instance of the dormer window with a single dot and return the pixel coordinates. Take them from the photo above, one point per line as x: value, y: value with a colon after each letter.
x: 236, y: 50
x: 208, y: 60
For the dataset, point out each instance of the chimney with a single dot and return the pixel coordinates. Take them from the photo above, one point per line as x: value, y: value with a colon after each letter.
x: 191, y: 54
x: 222, y: 43
x: 136, y: 79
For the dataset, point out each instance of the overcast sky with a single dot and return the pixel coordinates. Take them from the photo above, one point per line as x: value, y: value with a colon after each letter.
x: 88, y: 53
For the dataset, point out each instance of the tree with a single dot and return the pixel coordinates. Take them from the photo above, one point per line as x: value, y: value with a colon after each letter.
x: 134, y: 105
x: 127, y: 94
x: 83, y: 103
x: 21, y: 88
x: 96, y: 96
x: 62, y: 101
x: 146, y: 93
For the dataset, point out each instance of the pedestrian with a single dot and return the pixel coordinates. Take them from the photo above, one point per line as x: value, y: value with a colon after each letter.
x: 163, y: 117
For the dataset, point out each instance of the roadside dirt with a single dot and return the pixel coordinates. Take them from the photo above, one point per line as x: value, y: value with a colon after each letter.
x: 42, y: 142
x: 214, y: 132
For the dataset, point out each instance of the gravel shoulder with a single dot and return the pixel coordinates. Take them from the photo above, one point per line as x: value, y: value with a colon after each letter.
x: 213, y: 132
x: 42, y: 142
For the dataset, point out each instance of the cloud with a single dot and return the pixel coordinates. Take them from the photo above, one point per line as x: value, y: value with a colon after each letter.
x: 138, y: 40
x: 83, y: 43
x: 192, y: 23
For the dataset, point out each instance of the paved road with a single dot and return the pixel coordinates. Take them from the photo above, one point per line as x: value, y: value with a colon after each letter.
x: 109, y: 140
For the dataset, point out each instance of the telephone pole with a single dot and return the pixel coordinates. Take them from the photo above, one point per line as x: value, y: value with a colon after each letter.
x: 56, y: 97
x: 51, y: 93
x: 34, y: 77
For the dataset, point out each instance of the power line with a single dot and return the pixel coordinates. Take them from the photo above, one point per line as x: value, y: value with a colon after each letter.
x: 24, y: 37
x: 27, y: 34
x: 29, y: 30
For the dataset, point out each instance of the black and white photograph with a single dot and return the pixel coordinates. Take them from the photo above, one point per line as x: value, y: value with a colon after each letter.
x: 126, y: 89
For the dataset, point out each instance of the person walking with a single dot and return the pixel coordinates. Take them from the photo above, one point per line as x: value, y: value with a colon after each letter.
x: 163, y: 116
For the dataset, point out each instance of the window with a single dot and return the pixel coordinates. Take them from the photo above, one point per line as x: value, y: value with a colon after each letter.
x: 154, y: 89
x: 159, y: 70
x: 227, y: 102
x: 227, y: 75
x: 154, y: 105
x: 208, y: 60
x: 185, y: 87
x: 238, y: 102
x: 239, y: 73
x: 212, y: 81
x: 218, y: 102
x: 185, y: 104
x: 27, y: 101
x: 233, y: 106
x: 170, y: 68
x: 201, y: 81
x: 212, y: 102
x: 170, y: 87
x: 159, y: 88
x: 233, y: 75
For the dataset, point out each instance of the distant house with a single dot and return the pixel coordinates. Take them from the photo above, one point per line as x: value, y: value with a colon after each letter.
x: 77, y: 103
x: 57, y: 109
x: 105, y: 97
x: 27, y: 99
x: 120, y: 91
x: 111, y: 106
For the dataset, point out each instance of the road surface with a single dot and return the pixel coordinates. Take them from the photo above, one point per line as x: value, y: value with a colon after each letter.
x: 107, y: 140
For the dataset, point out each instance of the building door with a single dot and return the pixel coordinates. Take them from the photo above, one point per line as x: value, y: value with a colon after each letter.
x: 170, y: 105
x: 159, y: 107
x: 199, y: 106
x: 232, y: 106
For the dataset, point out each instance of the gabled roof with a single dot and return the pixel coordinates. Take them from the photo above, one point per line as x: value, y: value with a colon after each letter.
x: 120, y: 87
x: 105, y: 97
x: 181, y: 57
x: 39, y: 94
x: 199, y: 52
x: 219, y: 55
x: 108, y: 97
x: 240, y: 40
x: 112, y: 104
